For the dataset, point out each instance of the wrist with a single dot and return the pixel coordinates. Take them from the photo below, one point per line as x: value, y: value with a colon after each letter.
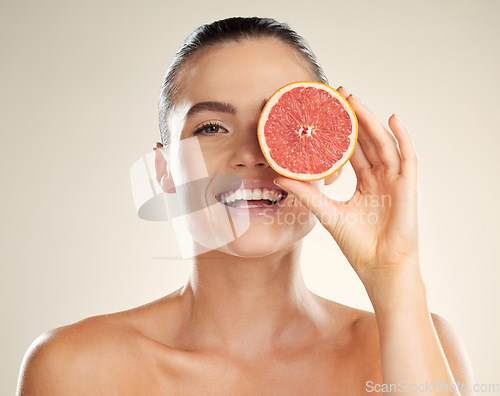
x: 396, y: 290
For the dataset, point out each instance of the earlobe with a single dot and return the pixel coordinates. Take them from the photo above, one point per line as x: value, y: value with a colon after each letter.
x: 330, y: 179
x: 163, y: 177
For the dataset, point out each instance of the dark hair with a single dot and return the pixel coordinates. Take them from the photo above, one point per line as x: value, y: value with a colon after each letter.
x: 218, y: 32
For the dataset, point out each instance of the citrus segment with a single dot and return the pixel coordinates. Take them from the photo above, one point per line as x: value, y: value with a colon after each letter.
x: 307, y: 131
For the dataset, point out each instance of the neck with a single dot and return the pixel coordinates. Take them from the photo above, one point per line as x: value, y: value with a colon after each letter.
x: 248, y: 306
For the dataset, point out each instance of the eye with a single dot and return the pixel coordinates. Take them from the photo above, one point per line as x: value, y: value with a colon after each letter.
x: 210, y: 128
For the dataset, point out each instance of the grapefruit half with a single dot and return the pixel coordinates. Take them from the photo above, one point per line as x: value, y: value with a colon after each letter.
x: 307, y: 131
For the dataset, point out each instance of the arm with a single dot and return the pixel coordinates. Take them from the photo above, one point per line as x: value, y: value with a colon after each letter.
x: 385, y: 254
x: 418, y: 347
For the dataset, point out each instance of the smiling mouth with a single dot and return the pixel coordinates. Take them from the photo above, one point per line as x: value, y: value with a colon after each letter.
x: 251, y: 197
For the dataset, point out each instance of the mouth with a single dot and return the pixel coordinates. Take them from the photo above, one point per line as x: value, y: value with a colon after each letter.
x: 251, y: 197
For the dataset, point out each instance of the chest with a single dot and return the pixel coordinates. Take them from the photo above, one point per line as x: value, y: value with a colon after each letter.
x: 320, y: 374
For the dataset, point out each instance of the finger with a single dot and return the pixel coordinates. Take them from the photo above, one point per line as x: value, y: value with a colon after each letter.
x: 359, y: 161
x: 365, y: 143
x: 409, y: 163
x: 341, y: 90
x: 319, y: 204
x: 368, y: 147
x: 358, y: 158
x: 378, y: 144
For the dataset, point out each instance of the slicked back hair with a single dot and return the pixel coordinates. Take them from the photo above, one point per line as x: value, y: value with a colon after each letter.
x: 223, y: 31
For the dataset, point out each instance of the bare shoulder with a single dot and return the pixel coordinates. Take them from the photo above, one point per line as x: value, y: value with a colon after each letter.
x: 352, y: 320
x: 363, y: 334
x: 355, y: 328
x: 454, y: 350
x: 365, y: 343
x: 108, y: 354
x: 73, y: 358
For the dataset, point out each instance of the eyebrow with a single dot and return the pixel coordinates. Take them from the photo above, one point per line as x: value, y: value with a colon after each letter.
x: 211, y: 106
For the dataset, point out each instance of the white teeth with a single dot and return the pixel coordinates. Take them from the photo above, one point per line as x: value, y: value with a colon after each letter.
x: 249, y: 195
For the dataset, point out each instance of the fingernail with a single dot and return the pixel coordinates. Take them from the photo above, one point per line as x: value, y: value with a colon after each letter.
x: 355, y: 98
x: 157, y: 145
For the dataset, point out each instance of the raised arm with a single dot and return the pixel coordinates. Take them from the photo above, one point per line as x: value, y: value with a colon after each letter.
x: 377, y: 230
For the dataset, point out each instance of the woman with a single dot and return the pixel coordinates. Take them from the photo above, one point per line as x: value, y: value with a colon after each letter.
x: 245, y: 323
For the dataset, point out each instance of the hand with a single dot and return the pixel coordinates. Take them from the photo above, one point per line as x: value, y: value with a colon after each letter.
x: 377, y: 229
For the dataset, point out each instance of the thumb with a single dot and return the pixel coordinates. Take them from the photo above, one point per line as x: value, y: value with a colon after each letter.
x: 325, y: 209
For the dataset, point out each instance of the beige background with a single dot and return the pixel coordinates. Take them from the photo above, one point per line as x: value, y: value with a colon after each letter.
x: 79, y: 88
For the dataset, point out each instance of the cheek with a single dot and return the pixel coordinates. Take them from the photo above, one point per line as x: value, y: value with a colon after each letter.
x: 190, y: 175
x: 187, y: 162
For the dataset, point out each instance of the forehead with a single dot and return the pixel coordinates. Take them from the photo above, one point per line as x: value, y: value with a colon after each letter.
x: 251, y: 69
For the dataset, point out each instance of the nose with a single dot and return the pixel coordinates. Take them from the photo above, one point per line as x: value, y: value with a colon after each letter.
x: 247, y: 153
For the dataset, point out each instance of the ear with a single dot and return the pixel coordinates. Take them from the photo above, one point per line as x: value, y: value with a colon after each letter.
x: 330, y: 179
x: 163, y: 177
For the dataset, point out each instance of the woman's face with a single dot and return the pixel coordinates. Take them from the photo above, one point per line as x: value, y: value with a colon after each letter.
x: 214, y: 127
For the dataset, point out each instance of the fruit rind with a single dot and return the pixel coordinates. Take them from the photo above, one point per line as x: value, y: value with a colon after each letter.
x: 273, y: 100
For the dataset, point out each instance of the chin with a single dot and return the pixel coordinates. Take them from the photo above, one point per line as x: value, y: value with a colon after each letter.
x: 253, y: 246
x: 263, y: 240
